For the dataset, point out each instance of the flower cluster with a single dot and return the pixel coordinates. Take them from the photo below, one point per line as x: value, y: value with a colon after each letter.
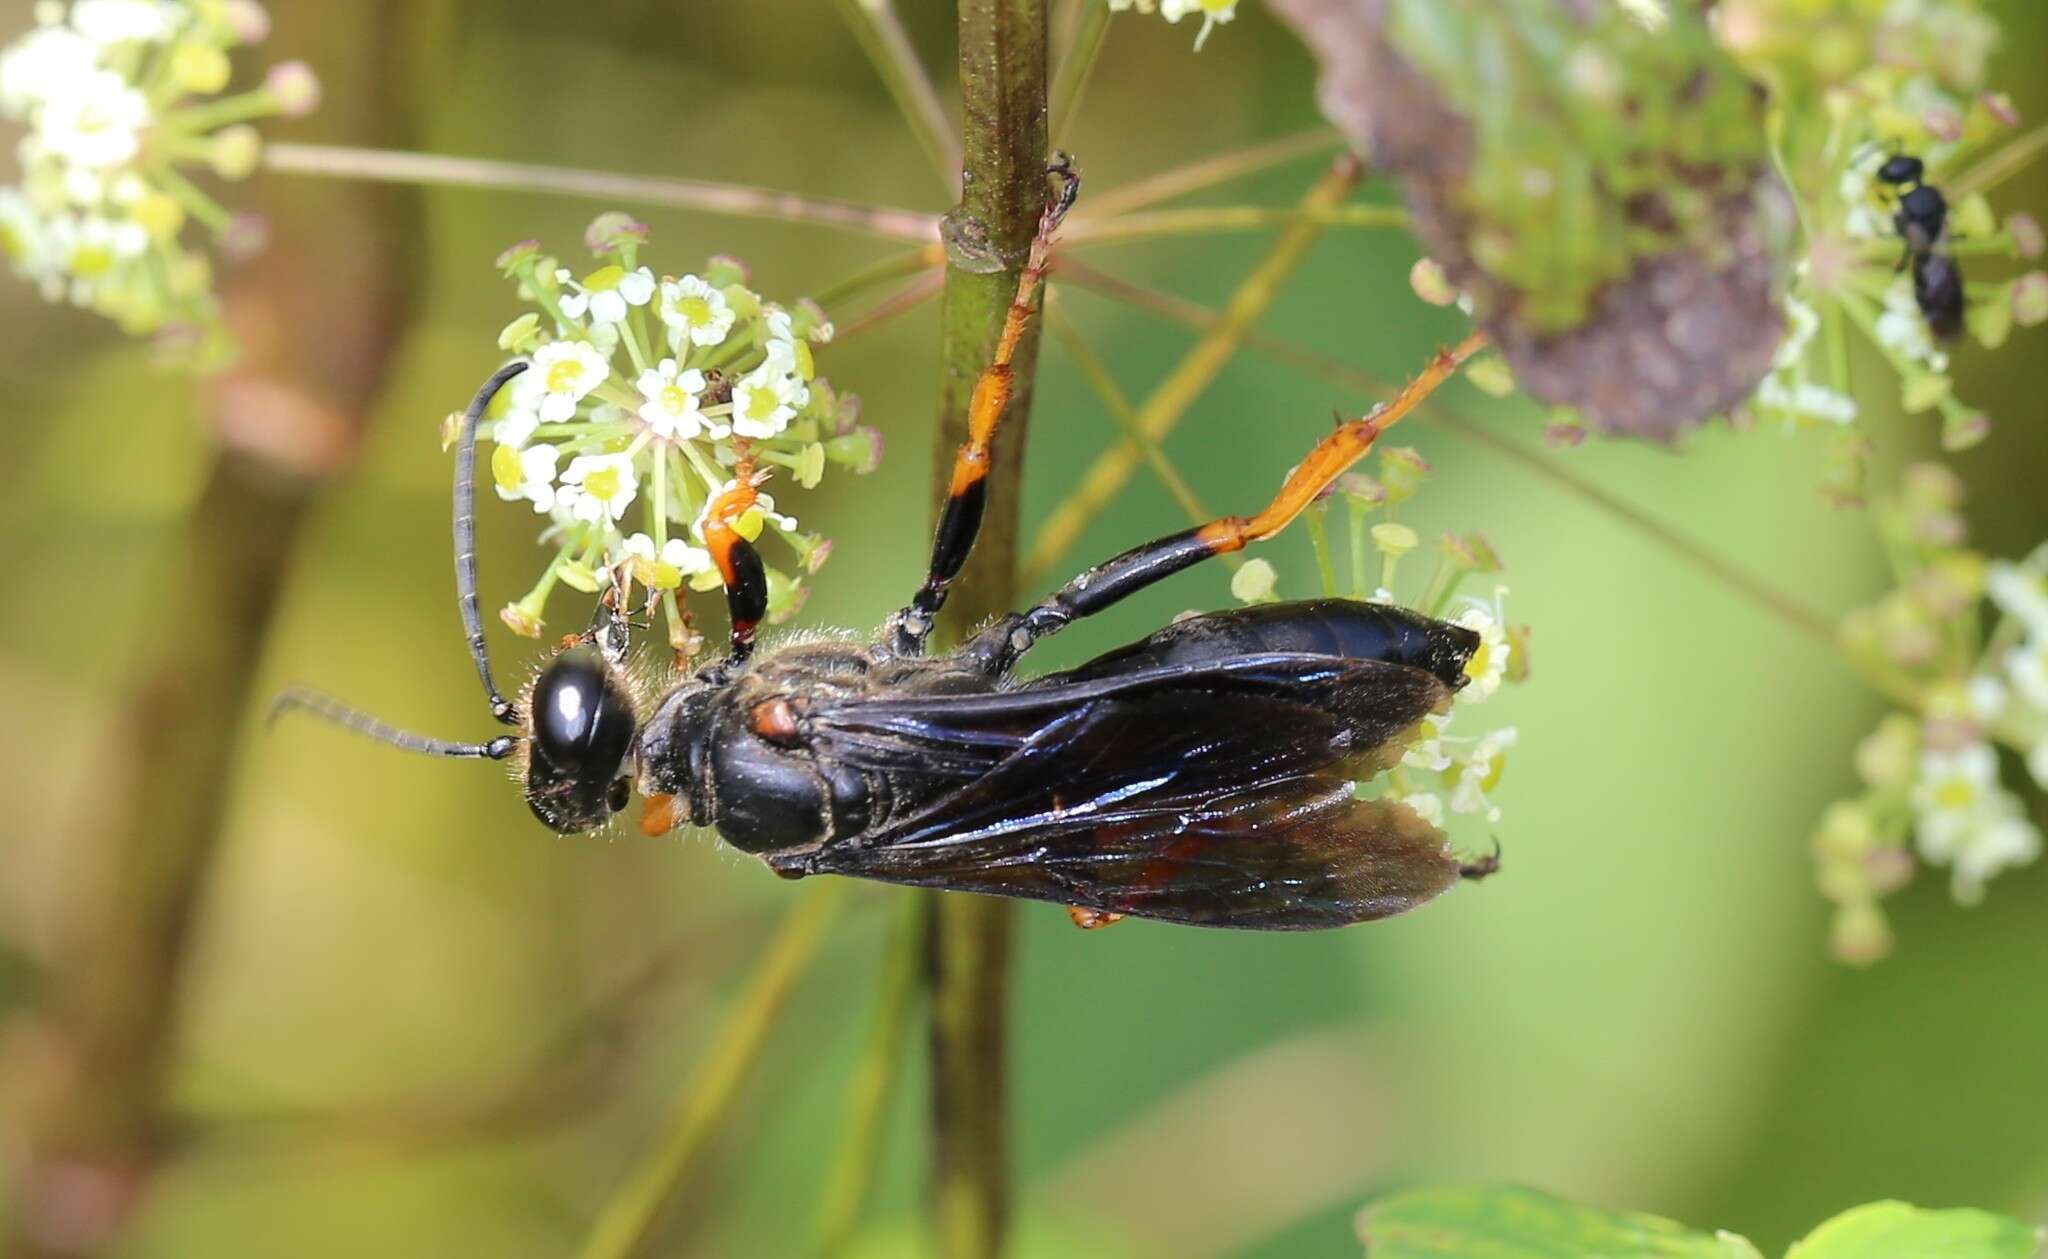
x: 122, y: 102
x: 1920, y: 100
x: 1443, y: 772
x: 1213, y: 12
x: 1932, y: 774
x: 648, y: 397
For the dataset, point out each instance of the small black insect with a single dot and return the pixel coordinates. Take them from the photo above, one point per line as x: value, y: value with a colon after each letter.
x: 1201, y: 775
x: 1922, y: 223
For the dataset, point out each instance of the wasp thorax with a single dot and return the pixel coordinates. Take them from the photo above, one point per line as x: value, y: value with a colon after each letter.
x: 582, y: 726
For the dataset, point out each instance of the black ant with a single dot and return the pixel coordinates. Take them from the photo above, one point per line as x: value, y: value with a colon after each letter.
x: 1922, y: 223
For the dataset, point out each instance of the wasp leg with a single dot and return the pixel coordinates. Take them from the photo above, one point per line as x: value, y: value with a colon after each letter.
x: 739, y: 564
x: 967, y: 498
x: 998, y: 647
x: 1477, y: 870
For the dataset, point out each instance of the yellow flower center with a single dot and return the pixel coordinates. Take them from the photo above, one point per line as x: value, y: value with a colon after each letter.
x: 563, y: 376
x: 1476, y: 667
x: 761, y: 404
x: 675, y: 399
x: 92, y: 260
x: 12, y: 242
x: 506, y: 469
x: 1955, y: 794
x: 603, y: 483
x: 695, y: 311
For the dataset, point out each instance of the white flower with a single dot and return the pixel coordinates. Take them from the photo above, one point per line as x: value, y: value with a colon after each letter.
x: 694, y: 311
x: 2004, y: 839
x: 96, y: 122
x: 1426, y: 750
x: 677, y: 553
x: 1489, y: 664
x: 527, y: 474
x: 1807, y: 400
x: 672, y: 406
x: 1951, y: 794
x: 2021, y: 593
x: 607, y: 294
x: 1480, y: 773
x: 1427, y: 805
x: 766, y: 400
x: 91, y: 250
x: 1214, y: 13
x: 42, y: 63
x: 1863, y: 221
x: 1986, y: 696
x: 567, y: 372
x: 1903, y: 329
x: 2027, y: 666
x: 598, y: 488
x: 764, y: 504
x: 1803, y: 322
x: 117, y: 21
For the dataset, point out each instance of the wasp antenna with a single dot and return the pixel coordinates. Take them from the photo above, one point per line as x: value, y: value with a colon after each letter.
x: 329, y: 709
x: 465, y: 537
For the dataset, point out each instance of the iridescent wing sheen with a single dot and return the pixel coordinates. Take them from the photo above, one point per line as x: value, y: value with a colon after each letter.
x: 1219, y: 794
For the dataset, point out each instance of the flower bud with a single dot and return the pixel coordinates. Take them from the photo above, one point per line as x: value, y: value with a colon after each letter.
x: 1394, y: 540
x: 200, y: 68
x: 2028, y: 240
x: 1430, y: 283
x: 234, y: 152
x: 294, y: 87
x: 1253, y: 583
x: 2029, y: 300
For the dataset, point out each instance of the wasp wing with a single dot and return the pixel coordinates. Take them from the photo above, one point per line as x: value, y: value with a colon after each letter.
x: 1219, y: 794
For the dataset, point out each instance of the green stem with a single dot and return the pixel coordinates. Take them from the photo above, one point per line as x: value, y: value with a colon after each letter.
x: 628, y: 1223
x: 1003, y: 82
x: 2015, y: 156
x: 880, y: 32
x: 850, y: 1182
x: 1233, y: 218
x: 1196, y: 370
x: 735, y: 200
x: 1076, y: 66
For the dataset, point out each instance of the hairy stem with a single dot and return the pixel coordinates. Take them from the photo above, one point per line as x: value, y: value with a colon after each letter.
x: 1197, y: 370
x: 1003, y: 84
x: 629, y: 1222
x: 735, y: 200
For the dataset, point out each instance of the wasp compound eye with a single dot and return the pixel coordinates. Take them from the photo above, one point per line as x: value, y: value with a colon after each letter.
x: 583, y: 728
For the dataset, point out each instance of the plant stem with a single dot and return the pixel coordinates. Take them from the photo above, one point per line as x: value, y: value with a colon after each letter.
x: 629, y: 1221
x: 1725, y: 573
x: 1211, y: 171
x: 1076, y: 64
x: 1125, y: 416
x: 1003, y: 98
x: 881, y: 36
x: 736, y: 200
x: 851, y: 1180
x: 1207, y: 220
x: 1196, y: 370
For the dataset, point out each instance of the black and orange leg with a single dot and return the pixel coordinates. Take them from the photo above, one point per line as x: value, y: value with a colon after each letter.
x: 739, y: 564
x: 998, y: 647
x: 967, y: 497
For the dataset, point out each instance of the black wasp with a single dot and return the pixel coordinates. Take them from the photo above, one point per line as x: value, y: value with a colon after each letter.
x: 1922, y: 223
x: 1203, y: 774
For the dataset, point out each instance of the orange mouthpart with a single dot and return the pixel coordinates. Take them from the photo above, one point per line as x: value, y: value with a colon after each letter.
x: 659, y: 816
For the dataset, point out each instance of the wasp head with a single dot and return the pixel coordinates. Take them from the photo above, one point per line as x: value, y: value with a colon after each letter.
x: 581, y: 722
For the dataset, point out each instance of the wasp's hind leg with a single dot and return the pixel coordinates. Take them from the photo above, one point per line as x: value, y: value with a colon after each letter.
x: 967, y: 497
x: 997, y: 648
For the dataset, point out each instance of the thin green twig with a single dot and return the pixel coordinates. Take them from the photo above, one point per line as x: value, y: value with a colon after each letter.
x: 1151, y: 224
x: 1196, y: 370
x: 881, y: 36
x: 1210, y: 171
x: 736, y: 200
x: 1076, y: 66
x: 2002, y: 164
x: 850, y: 1182
x: 628, y: 1223
x: 1807, y: 621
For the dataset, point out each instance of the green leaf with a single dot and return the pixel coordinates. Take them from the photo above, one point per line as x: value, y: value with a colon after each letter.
x: 1513, y: 1223
x: 1886, y: 1230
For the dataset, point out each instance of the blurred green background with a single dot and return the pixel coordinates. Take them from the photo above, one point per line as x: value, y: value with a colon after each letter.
x: 1637, y: 1011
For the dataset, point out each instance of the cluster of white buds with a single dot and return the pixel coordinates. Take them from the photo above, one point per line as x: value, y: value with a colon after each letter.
x: 122, y: 100
x: 1212, y: 12
x: 1444, y: 772
x: 649, y: 395
x: 1976, y: 684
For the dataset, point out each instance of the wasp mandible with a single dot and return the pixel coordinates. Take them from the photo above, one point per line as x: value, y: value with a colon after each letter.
x: 1203, y: 774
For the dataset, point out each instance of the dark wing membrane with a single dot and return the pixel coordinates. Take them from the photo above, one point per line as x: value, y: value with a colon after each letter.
x: 1219, y: 796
